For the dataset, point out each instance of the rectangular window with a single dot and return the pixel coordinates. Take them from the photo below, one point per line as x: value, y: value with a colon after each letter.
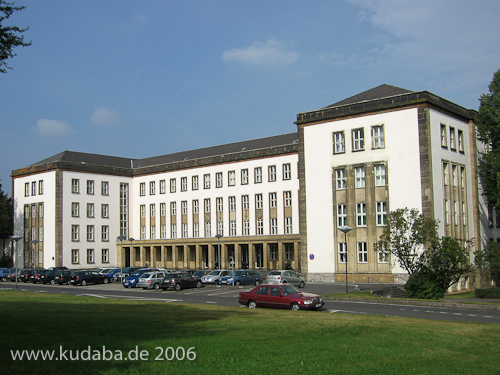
x: 361, y: 214
x: 142, y: 189
x: 445, y: 173
x: 218, y: 179
x: 104, y: 233
x: 220, y: 228
x: 163, y: 209
x: 196, y: 206
x: 90, y: 209
x: 196, y: 230
x: 340, y: 179
x: 206, y: 181
x: 231, y: 178
x: 152, y: 232
x: 453, y: 145
x: 152, y: 210
x: 380, y: 175
x: 40, y: 210
x: 90, y: 233
x: 360, y: 177
x: 40, y: 187
x: 75, y: 233
x: 378, y: 136
x: 232, y: 226
x: 258, y: 201
x: 338, y: 143
x: 163, y: 231
x: 75, y: 209
x: 90, y: 256
x: 258, y: 175
x: 244, y: 176
x: 195, y: 183
x: 173, y: 231
x: 143, y: 232
x: 184, y: 183
x: 208, y: 229
x: 274, y: 226
x: 143, y: 210
x: 260, y: 227
x: 152, y: 188
x: 461, y: 146
x: 75, y: 186
x: 287, y: 198
x: 362, y: 253
x: 104, y: 188
x: 173, y: 185
x: 341, y: 215
x: 27, y: 189
x: 288, y: 225
x: 272, y: 173
x: 105, y: 255
x: 358, y: 139
x: 90, y: 187
x: 232, y: 203
x: 75, y: 256
x: 246, y: 227
x: 220, y: 205
x: 464, y: 215
x: 207, y: 206
x: 33, y: 188
x: 184, y: 207
x: 273, y: 201
x: 287, y: 171
x: 244, y: 202
x: 163, y: 187
x: 381, y: 213
x: 273, y: 252
x: 342, y: 252
x: 444, y: 141
x: 383, y: 256
x: 173, y: 208
x: 184, y: 230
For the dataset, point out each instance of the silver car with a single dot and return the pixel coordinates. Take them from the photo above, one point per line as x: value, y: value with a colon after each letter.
x: 285, y: 277
x: 214, y: 276
x: 150, y: 280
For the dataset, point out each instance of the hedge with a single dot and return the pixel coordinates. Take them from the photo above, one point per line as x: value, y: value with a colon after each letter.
x: 490, y: 293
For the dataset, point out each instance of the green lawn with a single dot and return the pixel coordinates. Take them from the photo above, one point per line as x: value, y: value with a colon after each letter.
x: 236, y: 340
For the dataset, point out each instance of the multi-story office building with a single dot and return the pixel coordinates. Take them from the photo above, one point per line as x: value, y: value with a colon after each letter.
x: 276, y: 202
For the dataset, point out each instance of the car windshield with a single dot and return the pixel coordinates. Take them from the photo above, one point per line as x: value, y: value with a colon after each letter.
x: 214, y: 273
x: 236, y: 273
x: 137, y: 273
x: 288, y: 289
x: 225, y: 273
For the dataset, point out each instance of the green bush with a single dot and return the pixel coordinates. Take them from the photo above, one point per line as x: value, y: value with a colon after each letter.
x: 420, y: 285
x: 5, y: 261
x: 489, y: 293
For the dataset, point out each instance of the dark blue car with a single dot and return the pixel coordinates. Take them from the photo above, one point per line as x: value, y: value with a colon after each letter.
x: 132, y: 279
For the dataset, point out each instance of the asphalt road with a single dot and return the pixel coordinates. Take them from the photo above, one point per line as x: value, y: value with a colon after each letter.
x: 228, y: 296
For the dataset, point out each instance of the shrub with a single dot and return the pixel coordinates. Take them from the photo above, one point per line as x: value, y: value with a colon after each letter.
x: 490, y: 293
x: 420, y: 285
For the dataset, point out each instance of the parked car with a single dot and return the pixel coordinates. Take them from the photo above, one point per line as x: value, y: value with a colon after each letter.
x: 150, y: 279
x: 281, y: 296
x: 180, y: 280
x: 88, y: 277
x: 132, y: 279
x: 242, y: 277
x: 48, y: 276
x: 12, y: 276
x: 4, y: 272
x: 214, y: 276
x: 37, y: 274
x: 285, y: 277
x: 122, y: 274
x: 63, y: 277
x: 111, y: 272
x: 25, y: 274
x: 200, y: 274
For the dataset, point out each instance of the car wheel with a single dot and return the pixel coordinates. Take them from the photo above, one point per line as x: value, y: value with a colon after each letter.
x: 302, y: 284
x: 238, y: 283
x: 52, y: 282
x: 84, y: 283
x: 105, y: 281
x: 294, y: 306
x: 257, y: 282
x: 156, y: 286
x: 4, y: 279
x: 252, y: 304
x: 198, y: 284
x: 177, y: 287
x: 216, y: 282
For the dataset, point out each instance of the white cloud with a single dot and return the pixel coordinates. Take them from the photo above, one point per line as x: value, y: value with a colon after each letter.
x: 270, y: 53
x: 53, y: 127
x: 105, y: 116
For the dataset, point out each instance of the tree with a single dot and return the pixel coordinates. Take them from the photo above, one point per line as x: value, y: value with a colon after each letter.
x: 488, y: 132
x: 10, y: 36
x: 6, y: 217
x: 488, y: 261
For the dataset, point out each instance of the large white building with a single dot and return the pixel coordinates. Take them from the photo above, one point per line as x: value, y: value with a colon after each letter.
x: 276, y: 201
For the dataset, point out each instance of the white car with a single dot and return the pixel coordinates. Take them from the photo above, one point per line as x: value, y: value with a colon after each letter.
x: 214, y: 276
x: 285, y: 277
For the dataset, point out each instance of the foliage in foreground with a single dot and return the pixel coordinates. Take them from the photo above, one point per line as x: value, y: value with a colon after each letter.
x: 488, y: 261
x: 238, y: 340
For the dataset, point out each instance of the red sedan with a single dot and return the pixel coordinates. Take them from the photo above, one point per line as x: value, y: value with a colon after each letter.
x: 281, y: 297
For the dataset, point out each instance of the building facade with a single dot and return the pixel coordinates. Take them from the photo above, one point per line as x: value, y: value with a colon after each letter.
x: 273, y: 203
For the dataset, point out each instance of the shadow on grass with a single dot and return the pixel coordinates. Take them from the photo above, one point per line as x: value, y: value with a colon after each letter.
x: 69, y: 325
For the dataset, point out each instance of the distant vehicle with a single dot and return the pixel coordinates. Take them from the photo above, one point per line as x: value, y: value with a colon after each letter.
x: 4, y: 272
x: 13, y: 276
x: 281, y: 296
x: 36, y: 275
x: 150, y: 279
x: 63, y: 277
x: 111, y: 272
x: 88, y: 277
x: 48, y: 276
x: 200, y: 274
x: 132, y: 279
x: 180, y: 280
x: 285, y: 277
x: 214, y: 276
x: 242, y: 277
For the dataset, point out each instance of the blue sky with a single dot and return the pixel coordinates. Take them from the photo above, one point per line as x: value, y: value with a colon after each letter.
x: 146, y: 78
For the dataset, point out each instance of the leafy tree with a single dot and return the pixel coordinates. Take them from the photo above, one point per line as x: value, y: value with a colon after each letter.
x: 488, y: 132
x: 488, y: 261
x: 10, y: 36
x: 6, y: 218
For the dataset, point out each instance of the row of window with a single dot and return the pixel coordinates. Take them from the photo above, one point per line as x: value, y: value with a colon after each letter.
x: 75, y: 210
x: 91, y: 256
x: 219, y: 180
x: 75, y: 233
x: 259, y: 229
x: 32, y: 212
x: 34, y: 188
x: 381, y: 214
x: 75, y: 187
x: 360, y: 176
x: 361, y: 252
x: 450, y: 138
x: 358, y: 139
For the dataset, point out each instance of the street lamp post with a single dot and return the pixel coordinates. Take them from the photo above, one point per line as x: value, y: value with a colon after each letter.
x: 218, y: 236
x: 345, y: 229
x: 16, y: 238
x: 121, y: 238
